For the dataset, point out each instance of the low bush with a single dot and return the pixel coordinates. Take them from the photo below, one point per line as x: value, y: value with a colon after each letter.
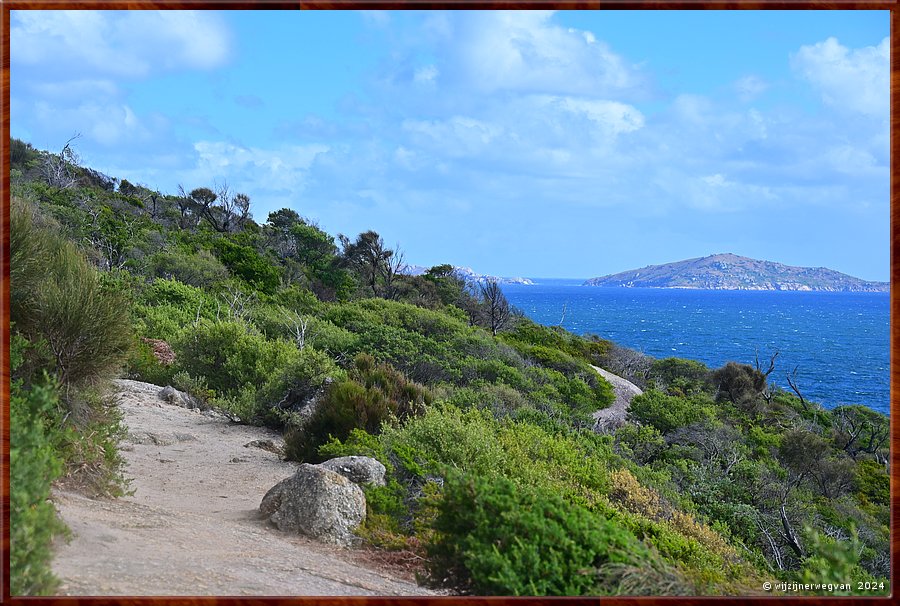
x: 373, y: 395
x: 493, y: 537
x: 305, y: 376
x: 686, y: 376
x: 230, y: 354
x: 34, y: 464
x: 668, y: 413
x: 200, y: 268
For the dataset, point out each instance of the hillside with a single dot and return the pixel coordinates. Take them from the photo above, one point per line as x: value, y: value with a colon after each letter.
x: 732, y: 272
x: 515, y: 463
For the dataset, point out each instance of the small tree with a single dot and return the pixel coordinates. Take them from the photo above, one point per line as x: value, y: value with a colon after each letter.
x: 375, y: 263
x: 60, y: 170
x: 494, y: 305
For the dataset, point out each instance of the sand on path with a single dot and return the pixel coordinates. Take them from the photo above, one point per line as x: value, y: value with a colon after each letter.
x: 191, y: 527
x: 614, y: 415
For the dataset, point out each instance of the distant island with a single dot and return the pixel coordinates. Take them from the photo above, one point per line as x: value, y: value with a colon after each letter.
x: 733, y: 272
x: 469, y: 275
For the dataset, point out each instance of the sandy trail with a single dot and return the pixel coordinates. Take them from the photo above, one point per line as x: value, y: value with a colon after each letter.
x: 614, y: 415
x: 191, y: 527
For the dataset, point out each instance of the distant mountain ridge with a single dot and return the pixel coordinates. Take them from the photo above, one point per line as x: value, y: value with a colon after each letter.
x: 468, y: 274
x: 732, y: 272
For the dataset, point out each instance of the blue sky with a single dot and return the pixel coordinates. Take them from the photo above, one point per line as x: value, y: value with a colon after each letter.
x: 542, y: 144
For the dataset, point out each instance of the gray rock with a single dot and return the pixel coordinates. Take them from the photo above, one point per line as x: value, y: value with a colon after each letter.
x: 318, y: 503
x: 359, y: 470
x: 268, y: 445
x: 172, y: 396
x: 308, y: 408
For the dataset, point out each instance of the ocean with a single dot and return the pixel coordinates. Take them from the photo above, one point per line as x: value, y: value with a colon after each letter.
x: 839, y: 342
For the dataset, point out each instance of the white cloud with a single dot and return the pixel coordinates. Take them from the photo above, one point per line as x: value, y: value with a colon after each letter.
x: 524, y: 51
x: 611, y: 117
x: 857, y: 80
x: 109, y: 123
x: 117, y: 43
x: 253, y: 169
x: 457, y: 136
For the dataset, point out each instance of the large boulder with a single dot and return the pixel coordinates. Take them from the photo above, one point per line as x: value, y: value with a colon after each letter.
x: 359, y: 470
x: 318, y: 503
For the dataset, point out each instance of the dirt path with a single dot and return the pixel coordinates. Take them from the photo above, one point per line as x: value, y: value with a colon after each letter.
x: 191, y: 526
x: 614, y: 415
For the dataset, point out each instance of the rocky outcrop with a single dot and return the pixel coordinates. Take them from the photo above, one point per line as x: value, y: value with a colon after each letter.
x: 170, y: 395
x: 359, y: 470
x: 317, y: 502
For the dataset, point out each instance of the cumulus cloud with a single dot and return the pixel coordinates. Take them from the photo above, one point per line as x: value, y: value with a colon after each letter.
x: 856, y: 80
x: 611, y: 117
x: 524, y: 51
x: 117, y: 43
x: 254, y: 169
x: 69, y: 69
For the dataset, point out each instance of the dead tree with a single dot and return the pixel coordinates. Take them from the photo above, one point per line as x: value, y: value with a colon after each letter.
x: 391, y: 269
x: 60, y: 171
x: 792, y: 381
x: 495, y: 306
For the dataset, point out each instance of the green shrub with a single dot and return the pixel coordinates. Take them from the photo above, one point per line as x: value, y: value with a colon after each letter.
x: 872, y: 482
x: 640, y: 443
x: 667, y: 413
x: 143, y: 365
x: 448, y: 436
x: 500, y: 399
x: 496, y: 538
x: 197, y: 269
x: 58, y: 297
x: 686, y: 376
x: 374, y: 395
x: 34, y: 465
x: 248, y: 265
x: 289, y: 388
x: 90, y: 444
x: 193, y: 386
x: 229, y: 355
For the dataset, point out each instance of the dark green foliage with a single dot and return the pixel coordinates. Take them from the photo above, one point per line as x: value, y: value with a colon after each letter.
x: 496, y: 538
x: 247, y: 264
x: 667, y: 413
x: 56, y: 296
x: 142, y: 365
x: 373, y: 395
x: 859, y: 430
x: 34, y: 465
x: 304, y: 377
x: 21, y: 154
x: 680, y: 375
x: 740, y: 384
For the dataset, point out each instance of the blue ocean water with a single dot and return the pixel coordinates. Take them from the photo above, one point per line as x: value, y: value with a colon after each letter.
x: 838, y: 341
